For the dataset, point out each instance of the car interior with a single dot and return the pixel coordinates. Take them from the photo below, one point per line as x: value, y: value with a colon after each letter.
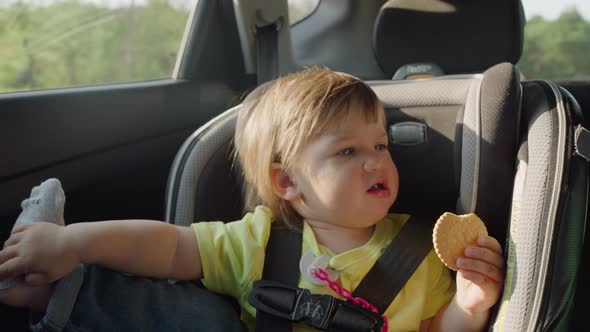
x: 468, y: 132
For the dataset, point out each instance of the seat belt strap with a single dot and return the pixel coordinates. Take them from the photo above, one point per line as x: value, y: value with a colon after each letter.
x: 281, y: 263
x: 391, y: 271
x: 397, y: 263
x: 267, y: 56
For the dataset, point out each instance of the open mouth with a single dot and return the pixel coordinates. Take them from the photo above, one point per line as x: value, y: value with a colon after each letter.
x: 377, y: 187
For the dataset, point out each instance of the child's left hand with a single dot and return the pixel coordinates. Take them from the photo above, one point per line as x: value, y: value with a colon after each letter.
x: 480, y: 276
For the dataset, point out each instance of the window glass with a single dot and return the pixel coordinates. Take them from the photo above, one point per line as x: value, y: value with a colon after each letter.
x: 557, y: 39
x: 300, y: 9
x: 62, y: 43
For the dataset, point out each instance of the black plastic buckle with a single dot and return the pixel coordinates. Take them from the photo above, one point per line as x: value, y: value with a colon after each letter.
x: 323, y: 312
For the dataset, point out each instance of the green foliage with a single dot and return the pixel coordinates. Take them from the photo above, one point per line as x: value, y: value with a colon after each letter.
x: 557, y: 49
x: 78, y: 42
x: 75, y: 42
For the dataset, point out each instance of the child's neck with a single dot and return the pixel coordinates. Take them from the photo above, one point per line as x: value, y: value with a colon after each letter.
x: 340, y: 239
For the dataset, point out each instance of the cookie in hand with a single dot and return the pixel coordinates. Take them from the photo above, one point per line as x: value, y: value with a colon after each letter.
x: 453, y: 233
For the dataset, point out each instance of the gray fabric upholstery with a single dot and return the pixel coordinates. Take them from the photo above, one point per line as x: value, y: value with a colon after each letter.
x: 446, y: 90
x: 189, y: 164
x: 537, y: 222
x: 527, y: 238
x: 487, y: 106
x: 470, y: 153
x: 500, y: 106
x: 427, y: 176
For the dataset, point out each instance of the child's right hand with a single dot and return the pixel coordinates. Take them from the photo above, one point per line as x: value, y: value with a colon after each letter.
x: 480, y: 278
x: 39, y: 252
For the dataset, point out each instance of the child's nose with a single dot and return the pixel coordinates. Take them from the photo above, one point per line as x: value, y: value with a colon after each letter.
x: 373, y: 162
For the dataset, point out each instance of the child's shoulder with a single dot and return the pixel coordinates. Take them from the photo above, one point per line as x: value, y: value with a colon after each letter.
x: 253, y: 228
x: 257, y: 221
x: 262, y: 212
x: 260, y: 217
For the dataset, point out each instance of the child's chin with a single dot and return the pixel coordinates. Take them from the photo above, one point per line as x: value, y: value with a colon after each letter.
x: 379, y: 214
x: 382, y: 209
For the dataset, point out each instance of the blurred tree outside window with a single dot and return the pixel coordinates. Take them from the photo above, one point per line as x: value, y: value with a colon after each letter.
x: 556, y: 48
x: 47, y: 44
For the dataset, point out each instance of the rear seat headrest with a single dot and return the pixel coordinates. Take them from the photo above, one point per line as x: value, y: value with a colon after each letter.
x: 461, y: 36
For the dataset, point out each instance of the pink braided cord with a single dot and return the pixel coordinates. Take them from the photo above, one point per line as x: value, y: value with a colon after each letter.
x: 346, y: 294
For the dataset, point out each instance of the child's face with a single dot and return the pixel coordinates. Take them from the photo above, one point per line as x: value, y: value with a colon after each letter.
x: 346, y: 176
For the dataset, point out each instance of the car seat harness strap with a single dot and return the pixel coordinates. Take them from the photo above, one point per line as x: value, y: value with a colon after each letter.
x: 279, y: 302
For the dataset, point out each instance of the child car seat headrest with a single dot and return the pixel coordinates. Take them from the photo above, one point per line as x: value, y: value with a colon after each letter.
x: 461, y: 36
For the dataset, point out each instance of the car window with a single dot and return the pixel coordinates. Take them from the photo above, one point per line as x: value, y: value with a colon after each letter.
x: 48, y: 44
x: 557, y: 40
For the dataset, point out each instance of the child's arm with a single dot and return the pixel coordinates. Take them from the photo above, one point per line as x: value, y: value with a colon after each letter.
x: 45, y: 252
x: 479, y: 281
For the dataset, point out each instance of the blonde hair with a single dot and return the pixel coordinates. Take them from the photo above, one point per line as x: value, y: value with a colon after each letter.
x: 289, y: 113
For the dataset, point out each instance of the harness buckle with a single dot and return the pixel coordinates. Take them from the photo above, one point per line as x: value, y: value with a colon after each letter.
x: 323, y: 312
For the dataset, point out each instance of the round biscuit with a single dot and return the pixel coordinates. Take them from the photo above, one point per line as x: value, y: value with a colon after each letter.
x: 453, y: 233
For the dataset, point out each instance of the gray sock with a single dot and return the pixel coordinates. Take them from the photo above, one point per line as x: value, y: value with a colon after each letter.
x: 46, y: 203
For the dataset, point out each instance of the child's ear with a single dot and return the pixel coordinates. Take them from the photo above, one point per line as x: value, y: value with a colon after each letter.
x: 282, y: 184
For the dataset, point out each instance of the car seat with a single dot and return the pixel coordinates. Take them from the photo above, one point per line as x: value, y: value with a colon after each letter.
x: 458, y: 141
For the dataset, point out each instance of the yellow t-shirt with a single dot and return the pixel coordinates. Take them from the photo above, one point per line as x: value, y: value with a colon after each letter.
x: 232, y: 255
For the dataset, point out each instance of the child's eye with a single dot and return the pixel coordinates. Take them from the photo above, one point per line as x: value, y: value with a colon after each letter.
x: 346, y: 152
x: 381, y: 147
